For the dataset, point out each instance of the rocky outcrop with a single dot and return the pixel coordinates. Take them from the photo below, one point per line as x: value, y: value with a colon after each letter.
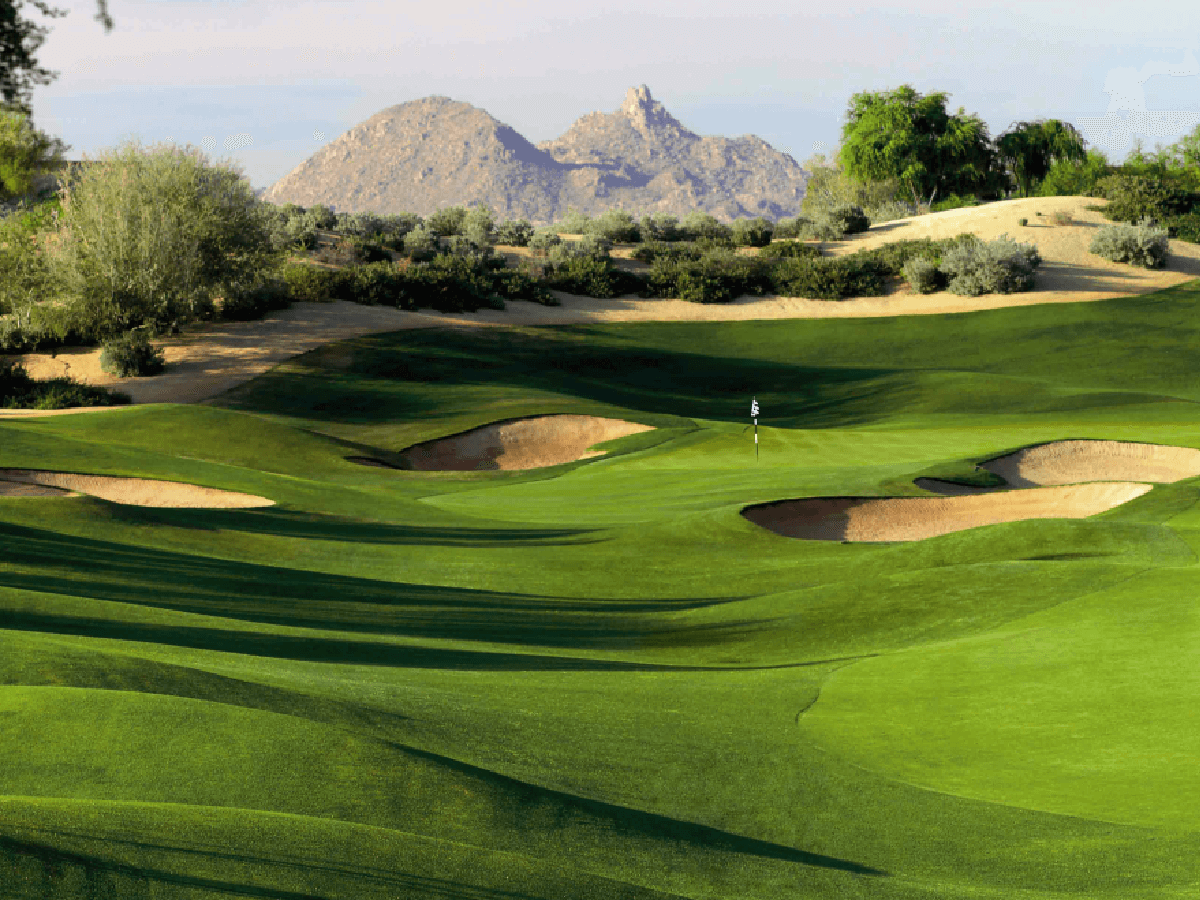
x: 436, y: 152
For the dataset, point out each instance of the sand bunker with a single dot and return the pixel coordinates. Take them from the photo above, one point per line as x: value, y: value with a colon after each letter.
x: 916, y: 518
x: 520, y: 444
x: 131, y: 491
x: 1112, y: 466
x: 1070, y: 462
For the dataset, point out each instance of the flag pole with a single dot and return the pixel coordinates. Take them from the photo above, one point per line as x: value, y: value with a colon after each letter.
x: 754, y: 413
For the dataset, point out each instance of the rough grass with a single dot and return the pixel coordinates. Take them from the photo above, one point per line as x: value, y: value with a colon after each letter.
x: 599, y: 680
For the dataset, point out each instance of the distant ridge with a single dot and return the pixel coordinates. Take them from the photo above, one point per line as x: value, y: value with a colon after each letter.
x: 436, y: 152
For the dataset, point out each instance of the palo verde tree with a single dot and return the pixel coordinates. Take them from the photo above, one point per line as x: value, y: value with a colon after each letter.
x: 1030, y: 149
x: 904, y: 135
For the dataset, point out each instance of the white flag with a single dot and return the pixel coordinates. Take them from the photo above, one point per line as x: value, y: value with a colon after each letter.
x: 754, y: 408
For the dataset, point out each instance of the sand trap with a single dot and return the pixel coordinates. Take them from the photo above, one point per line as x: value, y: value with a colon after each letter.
x: 916, y: 518
x: 16, y: 489
x: 1070, y: 462
x: 133, y: 491
x: 520, y: 444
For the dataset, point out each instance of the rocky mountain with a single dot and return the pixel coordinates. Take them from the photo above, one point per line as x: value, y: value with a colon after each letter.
x: 436, y: 152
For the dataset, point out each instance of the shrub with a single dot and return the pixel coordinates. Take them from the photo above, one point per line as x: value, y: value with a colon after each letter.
x: 421, y: 241
x: 1184, y: 228
x: 446, y: 222
x: 788, y: 249
x: 377, y: 284
x: 322, y: 217
x: 147, y: 238
x: 19, y: 391
x: 243, y: 303
x: 478, y: 225
x: 25, y: 154
x: 954, y: 202
x: 653, y: 250
x: 999, y: 267
x: 752, y: 232
x: 1022, y: 221
x: 696, y: 225
x: 850, y: 219
x: 1071, y: 178
x: 709, y: 243
x: 829, y: 279
x: 591, y: 277
x: 543, y: 241
x: 575, y: 223
x: 448, y: 284
x: 923, y: 275
x: 587, y: 247
x: 660, y: 227
x: 132, y: 354
x: 790, y: 228
x: 1144, y: 244
x: 513, y: 233
x: 615, y: 226
x: 1061, y: 218
x: 1134, y: 197
x: 823, y: 230
x: 518, y: 285
x: 890, y: 211
x: 892, y: 257
x: 312, y: 284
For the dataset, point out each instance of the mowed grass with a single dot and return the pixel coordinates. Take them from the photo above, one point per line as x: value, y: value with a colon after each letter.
x: 598, y: 680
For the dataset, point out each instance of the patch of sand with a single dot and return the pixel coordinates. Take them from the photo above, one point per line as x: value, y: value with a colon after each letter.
x: 1070, y: 462
x: 917, y: 518
x: 134, y: 491
x: 16, y: 489
x: 520, y: 444
x: 217, y: 357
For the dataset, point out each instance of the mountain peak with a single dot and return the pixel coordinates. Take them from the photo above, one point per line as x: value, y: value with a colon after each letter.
x: 645, y: 113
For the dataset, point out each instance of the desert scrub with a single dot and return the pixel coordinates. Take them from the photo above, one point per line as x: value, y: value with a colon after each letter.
x: 829, y: 279
x: 923, y: 275
x: 752, y: 232
x: 1145, y: 244
x: 1001, y: 266
x: 954, y: 202
x: 789, y: 249
x: 653, y: 250
x: 19, y: 391
x: 659, y: 228
x: 132, y: 355
x: 253, y: 301
x: 1022, y: 222
x: 589, y: 276
x: 513, y: 233
x: 890, y: 211
x: 542, y: 242
x: 1061, y: 218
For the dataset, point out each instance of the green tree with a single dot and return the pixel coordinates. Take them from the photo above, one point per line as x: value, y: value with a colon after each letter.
x: 829, y: 187
x: 19, y: 41
x: 152, y: 238
x: 25, y: 154
x: 1029, y: 149
x: 904, y: 135
x: 1073, y: 178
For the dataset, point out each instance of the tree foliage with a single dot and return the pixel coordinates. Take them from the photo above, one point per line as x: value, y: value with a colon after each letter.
x: 19, y: 41
x: 903, y: 135
x: 1030, y: 149
x: 25, y: 154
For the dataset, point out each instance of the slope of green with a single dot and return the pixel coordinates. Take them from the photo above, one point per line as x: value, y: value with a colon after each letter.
x: 599, y: 679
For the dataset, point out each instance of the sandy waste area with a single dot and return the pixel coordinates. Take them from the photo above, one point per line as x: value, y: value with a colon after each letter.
x: 1059, y: 480
x: 130, y: 491
x: 217, y: 357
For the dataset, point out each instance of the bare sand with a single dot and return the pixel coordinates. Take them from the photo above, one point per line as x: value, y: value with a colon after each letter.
x: 520, y: 444
x: 1071, y: 462
x: 216, y: 357
x: 917, y: 518
x: 131, y: 491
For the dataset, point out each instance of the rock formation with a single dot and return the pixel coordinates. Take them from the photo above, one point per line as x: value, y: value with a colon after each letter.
x: 436, y: 152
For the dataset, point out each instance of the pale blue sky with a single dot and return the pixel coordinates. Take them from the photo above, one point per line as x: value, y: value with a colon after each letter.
x: 264, y: 84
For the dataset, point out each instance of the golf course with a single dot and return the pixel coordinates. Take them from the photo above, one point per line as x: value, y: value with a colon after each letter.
x: 492, y: 608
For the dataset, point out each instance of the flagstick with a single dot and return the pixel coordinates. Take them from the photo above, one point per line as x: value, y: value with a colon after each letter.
x: 756, y: 440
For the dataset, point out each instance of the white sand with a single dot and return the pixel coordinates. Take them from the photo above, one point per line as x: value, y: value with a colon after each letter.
x: 1070, y: 462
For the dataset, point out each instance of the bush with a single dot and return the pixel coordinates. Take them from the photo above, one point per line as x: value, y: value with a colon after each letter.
x: 19, y: 391
x: 923, y: 276
x: 544, y: 241
x: 448, y: 284
x: 312, y: 284
x: 660, y: 228
x: 752, y: 232
x: 1184, y: 228
x: 653, y: 250
x: 850, y: 219
x: 954, y: 202
x: 1070, y: 178
x: 322, y: 217
x: 244, y: 303
x: 823, y: 230
x: 615, y: 226
x: 1132, y: 198
x: 790, y: 249
x: 132, y: 354
x: 513, y: 233
x: 517, y: 285
x: 789, y: 228
x: 999, y: 267
x: 893, y: 256
x: 446, y: 222
x: 575, y: 223
x: 1022, y: 221
x: 696, y: 225
x: 587, y: 247
x: 829, y: 279
x: 478, y: 225
x: 590, y: 277
x: 890, y: 211
x: 1061, y: 218
x: 421, y: 241
x: 1144, y: 244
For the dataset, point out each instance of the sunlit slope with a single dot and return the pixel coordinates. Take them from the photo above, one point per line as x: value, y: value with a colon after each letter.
x: 599, y: 679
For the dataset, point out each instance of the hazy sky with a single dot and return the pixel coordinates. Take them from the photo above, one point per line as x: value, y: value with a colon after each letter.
x: 264, y: 83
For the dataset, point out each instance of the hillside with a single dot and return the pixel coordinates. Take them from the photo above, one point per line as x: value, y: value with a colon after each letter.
x: 436, y: 152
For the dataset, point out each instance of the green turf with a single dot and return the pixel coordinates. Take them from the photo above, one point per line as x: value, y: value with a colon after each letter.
x: 599, y: 680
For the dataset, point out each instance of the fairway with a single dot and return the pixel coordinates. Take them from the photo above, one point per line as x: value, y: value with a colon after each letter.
x: 485, y: 614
